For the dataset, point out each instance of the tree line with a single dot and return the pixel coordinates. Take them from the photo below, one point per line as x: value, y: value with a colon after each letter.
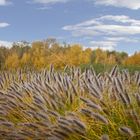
x: 40, y: 54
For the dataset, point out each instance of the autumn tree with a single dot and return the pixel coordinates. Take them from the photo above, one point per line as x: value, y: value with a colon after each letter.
x: 12, y: 61
x: 133, y: 60
x: 40, y: 54
x: 4, y: 52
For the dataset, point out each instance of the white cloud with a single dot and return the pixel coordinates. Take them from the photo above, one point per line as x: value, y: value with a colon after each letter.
x: 124, y: 39
x: 106, y: 25
x: 131, y: 4
x: 4, y: 2
x: 104, y: 45
x: 6, y: 43
x: 3, y: 24
x: 46, y: 4
x: 109, y: 43
x: 109, y: 29
x: 44, y: 8
x: 120, y: 18
x: 49, y: 1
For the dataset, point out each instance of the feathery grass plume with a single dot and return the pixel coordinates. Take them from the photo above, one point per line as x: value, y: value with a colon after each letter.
x: 43, y: 124
x: 95, y: 92
x: 137, y: 98
x: 99, y: 75
x: 109, y: 78
x: 92, y: 71
x: 87, y: 112
x: 123, y: 98
x: 114, y: 71
x: 84, y: 100
x: 74, y: 89
x: 27, y: 133
x: 64, y: 82
x: 51, y: 68
x: 127, y: 76
x: 67, y: 83
x: 62, y: 133
x: 66, y: 68
x: 10, y: 96
x: 54, y: 104
x: 105, y: 137
x: 119, y: 85
x: 79, y: 124
x: 30, y: 125
x: 56, y: 137
x: 64, y: 122
x: 99, y: 117
x: 137, y: 77
x: 128, y: 98
x: 53, y: 113
x: 135, y: 117
x: 78, y: 131
x: 7, y: 124
x: 60, y: 86
x: 42, y: 115
x: 126, y: 131
x: 40, y: 107
x: 13, y: 103
x: 106, y: 111
x: 97, y: 85
x: 66, y: 128
x: 49, y: 87
x: 38, y: 100
x: 97, y: 82
x: 94, y: 106
x: 71, y: 98
x: 91, y: 104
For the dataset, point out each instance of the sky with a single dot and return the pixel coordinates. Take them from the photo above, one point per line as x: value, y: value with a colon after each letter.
x: 106, y: 24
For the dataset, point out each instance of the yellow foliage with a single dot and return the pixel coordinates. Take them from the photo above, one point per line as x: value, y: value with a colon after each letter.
x: 111, y: 60
x: 133, y: 60
x: 101, y: 56
x: 12, y: 61
x: 41, y: 54
x: 76, y: 55
x: 25, y: 60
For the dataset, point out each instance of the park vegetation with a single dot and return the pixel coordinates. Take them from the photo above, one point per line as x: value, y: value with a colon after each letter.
x: 70, y: 104
x: 53, y: 91
x: 40, y: 54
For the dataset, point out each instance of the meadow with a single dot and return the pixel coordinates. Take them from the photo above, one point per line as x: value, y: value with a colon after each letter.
x: 73, y: 104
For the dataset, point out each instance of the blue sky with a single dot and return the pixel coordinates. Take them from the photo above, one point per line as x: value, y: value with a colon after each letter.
x: 108, y: 24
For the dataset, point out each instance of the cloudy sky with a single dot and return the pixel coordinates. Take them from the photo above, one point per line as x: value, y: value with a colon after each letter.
x: 108, y: 24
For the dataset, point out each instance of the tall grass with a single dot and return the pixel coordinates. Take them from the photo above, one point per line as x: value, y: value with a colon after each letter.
x: 72, y: 104
x: 100, y: 68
